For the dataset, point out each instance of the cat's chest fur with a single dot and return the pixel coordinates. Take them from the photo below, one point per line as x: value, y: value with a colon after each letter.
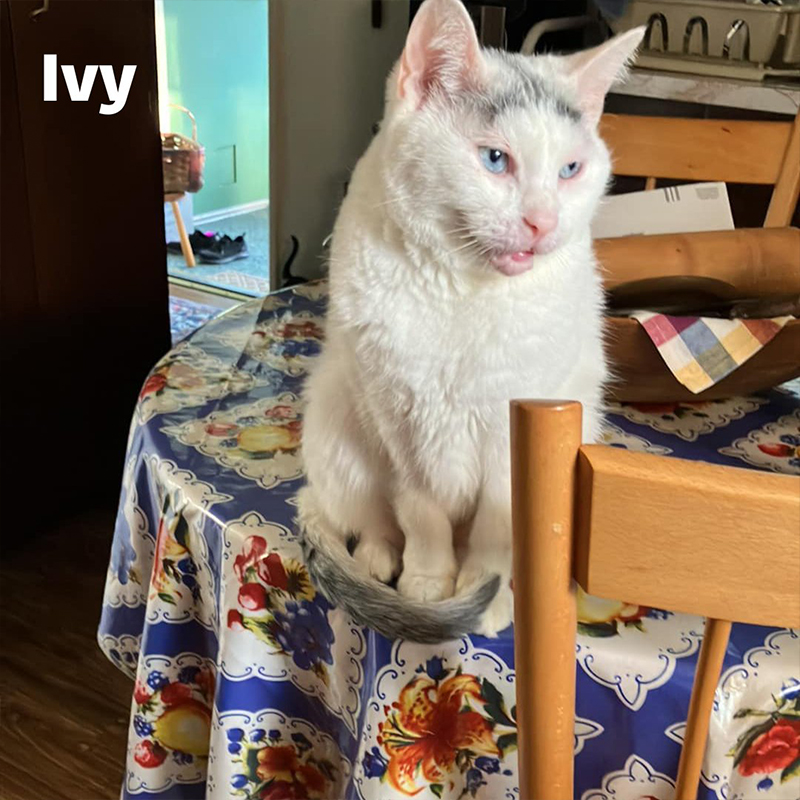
x: 477, y: 346
x: 434, y: 369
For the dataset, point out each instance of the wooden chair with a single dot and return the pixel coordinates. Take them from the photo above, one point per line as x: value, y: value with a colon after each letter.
x: 631, y: 509
x: 662, y: 532
x: 757, y: 261
x: 735, y: 151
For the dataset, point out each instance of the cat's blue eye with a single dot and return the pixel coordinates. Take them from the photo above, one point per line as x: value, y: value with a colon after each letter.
x: 494, y: 160
x: 569, y: 170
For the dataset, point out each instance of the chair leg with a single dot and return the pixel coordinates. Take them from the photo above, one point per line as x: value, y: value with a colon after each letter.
x: 709, y: 667
x: 545, y: 438
x: 186, y: 246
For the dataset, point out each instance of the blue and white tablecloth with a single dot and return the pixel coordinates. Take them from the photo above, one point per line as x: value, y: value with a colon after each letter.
x: 249, y: 684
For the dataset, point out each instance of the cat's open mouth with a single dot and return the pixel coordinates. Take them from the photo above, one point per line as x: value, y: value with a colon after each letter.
x: 514, y: 263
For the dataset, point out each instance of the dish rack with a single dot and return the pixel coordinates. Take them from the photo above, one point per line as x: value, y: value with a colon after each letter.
x: 747, y: 39
x: 183, y: 159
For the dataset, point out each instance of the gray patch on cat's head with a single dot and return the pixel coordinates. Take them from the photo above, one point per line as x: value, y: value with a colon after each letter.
x: 518, y: 87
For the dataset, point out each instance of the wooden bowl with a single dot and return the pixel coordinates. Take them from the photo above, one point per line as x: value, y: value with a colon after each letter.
x: 643, y: 377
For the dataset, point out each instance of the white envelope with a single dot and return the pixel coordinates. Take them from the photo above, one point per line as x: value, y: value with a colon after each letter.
x: 673, y: 209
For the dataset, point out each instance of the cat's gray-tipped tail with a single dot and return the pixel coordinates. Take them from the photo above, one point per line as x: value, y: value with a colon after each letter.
x: 380, y: 607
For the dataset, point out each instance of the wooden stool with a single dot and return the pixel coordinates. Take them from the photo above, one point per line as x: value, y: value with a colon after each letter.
x: 186, y: 246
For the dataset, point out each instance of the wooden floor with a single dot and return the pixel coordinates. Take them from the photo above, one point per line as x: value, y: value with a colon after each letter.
x: 64, y: 705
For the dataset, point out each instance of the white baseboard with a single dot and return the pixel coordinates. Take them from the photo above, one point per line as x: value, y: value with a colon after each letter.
x: 231, y: 211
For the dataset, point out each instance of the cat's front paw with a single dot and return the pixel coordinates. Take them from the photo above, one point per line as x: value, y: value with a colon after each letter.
x: 499, y: 615
x: 471, y: 577
x: 380, y: 558
x: 426, y: 588
x: 478, y: 569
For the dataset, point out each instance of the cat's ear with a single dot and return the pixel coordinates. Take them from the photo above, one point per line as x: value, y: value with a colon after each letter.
x: 595, y: 70
x: 441, y: 52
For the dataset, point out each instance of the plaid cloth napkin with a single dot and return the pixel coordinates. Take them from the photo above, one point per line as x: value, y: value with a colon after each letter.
x: 700, y: 351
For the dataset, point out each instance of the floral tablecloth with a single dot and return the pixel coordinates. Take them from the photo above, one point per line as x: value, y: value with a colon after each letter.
x: 249, y: 684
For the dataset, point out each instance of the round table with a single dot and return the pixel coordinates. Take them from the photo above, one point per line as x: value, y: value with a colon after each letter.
x: 250, y: 684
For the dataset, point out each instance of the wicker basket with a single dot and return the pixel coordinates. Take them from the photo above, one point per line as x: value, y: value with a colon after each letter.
x: 731, y: 38
x: 183, y: 159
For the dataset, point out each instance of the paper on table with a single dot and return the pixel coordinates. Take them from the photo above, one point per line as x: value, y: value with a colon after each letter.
x: 673, y: 209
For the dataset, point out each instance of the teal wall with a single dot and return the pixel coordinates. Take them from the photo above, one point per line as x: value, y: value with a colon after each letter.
x: 217, y: 65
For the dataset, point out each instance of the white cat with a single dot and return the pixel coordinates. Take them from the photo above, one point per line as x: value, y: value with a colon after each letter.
x: 461, y: 276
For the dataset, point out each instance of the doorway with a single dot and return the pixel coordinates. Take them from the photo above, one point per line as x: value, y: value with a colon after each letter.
x: 213, y: 66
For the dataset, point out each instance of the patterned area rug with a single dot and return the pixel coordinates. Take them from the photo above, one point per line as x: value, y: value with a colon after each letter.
x: 186, y: 316
x: 240, y: 281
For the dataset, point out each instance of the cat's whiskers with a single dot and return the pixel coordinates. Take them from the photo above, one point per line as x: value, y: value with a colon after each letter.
x: 461, y: 233
x: 439, y: 260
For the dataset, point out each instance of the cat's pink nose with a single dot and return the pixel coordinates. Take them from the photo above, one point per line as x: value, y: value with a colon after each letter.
x: 540, y: 223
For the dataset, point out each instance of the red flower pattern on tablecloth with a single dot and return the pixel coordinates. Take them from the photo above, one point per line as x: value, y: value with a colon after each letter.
x: 773, y: 744
x: 444, y: 721
x: 775, y: 749
x: 271, y: 768
x: 155, y: 383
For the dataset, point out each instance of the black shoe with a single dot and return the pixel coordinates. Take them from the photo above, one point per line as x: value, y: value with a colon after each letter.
x: 223, y: 250
x: 198, y: 240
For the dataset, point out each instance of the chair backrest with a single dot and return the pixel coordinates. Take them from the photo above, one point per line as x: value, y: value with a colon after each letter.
x: 699, y: 529
x: 650, y: 530
x: 734, y: 151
